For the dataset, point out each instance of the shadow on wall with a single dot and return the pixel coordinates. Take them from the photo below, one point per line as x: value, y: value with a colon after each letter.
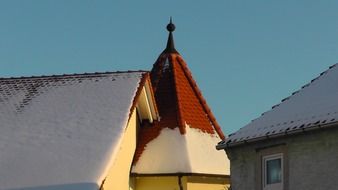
x: 75, y: 186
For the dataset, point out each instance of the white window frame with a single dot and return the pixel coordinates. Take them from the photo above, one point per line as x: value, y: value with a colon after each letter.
x: 275, y: 186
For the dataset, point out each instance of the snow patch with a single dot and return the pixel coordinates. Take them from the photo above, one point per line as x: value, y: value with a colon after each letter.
x: 193, y: 152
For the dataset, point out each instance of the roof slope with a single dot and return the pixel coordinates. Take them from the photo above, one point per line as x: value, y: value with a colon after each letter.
x: 62, y: 131
x: 314, y: 106
x: 178, y: 97
x: 180, y: 105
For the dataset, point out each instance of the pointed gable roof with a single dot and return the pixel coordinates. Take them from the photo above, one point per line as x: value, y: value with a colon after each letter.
x: 179, y: 100
x: 182, y: 108
x: 314, y: 106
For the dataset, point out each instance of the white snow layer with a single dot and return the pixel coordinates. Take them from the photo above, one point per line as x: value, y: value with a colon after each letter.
x: 62, y: 133
x: 315, y: 104
x: 193, y: 152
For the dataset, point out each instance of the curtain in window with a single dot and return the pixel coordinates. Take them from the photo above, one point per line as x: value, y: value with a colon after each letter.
x: 273, y: 171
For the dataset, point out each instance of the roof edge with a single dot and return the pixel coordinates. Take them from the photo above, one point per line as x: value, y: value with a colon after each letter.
x: 228, y: 144
x: 73, y: 75
x: 177, y: 174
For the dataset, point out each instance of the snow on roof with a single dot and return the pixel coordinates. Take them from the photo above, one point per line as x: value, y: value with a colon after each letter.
x: 315, y: 105
x: 179, y: 101
x: 172, y: 152
x: 169, y: 145
x: 61, y: 132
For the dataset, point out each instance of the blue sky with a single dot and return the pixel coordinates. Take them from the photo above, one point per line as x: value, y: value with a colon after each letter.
x: 245, y: 55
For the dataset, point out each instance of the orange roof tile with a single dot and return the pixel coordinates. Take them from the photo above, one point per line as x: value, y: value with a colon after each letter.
x: 178, y: 99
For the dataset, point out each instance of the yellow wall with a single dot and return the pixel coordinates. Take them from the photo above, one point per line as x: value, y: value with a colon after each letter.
x: 118, y: 176
x: 187, y: 183
x: 207, y: 183
x: 156, y: 183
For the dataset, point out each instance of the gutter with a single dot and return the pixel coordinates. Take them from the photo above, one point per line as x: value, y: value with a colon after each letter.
x: 228, y: 144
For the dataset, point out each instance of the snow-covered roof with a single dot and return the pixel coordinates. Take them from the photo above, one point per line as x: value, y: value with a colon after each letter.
x: 62, y: 132
x: 315, y: 105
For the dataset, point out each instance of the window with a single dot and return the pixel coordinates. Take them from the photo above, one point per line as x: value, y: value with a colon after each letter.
x: 272, y: 166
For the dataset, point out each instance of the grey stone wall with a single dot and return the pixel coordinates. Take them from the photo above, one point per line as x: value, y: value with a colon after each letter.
x: 311, y: 161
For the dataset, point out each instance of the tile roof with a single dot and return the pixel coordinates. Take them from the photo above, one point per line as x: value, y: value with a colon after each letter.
x: 191, y: 107
x: 62, y: 129
x: 314, y: 106
x: 179, y: 101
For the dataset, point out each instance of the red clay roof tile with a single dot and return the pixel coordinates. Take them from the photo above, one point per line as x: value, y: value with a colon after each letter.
x: 179, y: 102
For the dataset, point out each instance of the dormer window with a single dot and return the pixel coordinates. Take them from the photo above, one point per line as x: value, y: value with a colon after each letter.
x: 146, y: 107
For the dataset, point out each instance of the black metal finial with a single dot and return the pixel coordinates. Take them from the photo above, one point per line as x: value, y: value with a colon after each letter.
x: 170, y: 44
x: 171, y: 27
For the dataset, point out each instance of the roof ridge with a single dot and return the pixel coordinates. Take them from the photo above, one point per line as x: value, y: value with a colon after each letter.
x: 73, y: 75
x: 181, y: 121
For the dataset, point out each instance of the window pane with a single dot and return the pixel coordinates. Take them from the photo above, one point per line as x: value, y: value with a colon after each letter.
x: 273, y: 171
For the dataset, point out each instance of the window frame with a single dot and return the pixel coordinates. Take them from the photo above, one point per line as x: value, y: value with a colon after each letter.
x: 274, y: 186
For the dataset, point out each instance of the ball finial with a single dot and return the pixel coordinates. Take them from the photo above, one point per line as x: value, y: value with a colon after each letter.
x: 171, y: 27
